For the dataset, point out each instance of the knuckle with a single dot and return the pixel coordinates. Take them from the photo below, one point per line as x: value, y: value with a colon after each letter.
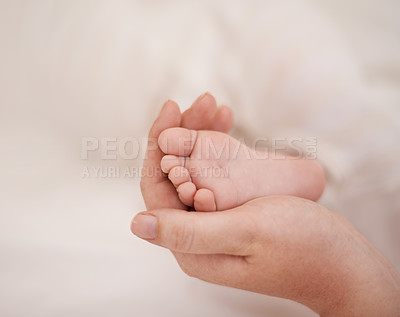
x: 184, y: 236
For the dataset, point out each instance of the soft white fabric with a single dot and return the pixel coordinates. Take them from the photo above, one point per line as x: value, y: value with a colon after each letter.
x: 72, y: 69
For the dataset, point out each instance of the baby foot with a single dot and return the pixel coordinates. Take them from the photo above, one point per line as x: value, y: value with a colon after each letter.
x: 213, y: 171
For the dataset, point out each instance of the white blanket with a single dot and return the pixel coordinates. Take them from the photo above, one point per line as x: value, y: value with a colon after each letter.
x: 73, y: 69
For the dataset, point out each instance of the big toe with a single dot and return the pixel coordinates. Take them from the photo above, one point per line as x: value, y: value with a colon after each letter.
x: 177, y: 141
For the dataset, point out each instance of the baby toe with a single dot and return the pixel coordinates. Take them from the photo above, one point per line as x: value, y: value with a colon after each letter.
x: 204, y: 200
x: 170, y: 161
x: 178, y: 175
x: 186, y: 192
x: 177, y: 141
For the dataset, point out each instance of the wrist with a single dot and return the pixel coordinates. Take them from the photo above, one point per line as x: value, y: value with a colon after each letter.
x: 370, y: 285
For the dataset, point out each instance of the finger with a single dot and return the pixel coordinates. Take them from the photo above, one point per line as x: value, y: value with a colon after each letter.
x: 156, y: 188
x: 229, y: 232
x: 200, y: 115
x: 223, y: 269
x: 223, y: 120
x: 204, y: 115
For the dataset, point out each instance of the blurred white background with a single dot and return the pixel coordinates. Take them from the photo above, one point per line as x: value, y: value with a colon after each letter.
x: 72, y: 69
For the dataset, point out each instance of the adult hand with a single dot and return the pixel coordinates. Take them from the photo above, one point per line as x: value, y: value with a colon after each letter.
x: 280, y: 246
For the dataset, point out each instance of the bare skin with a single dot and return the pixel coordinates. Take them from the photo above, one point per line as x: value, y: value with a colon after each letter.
x: 278, y: 245
x: 213, y: 171
x: 203, y: 114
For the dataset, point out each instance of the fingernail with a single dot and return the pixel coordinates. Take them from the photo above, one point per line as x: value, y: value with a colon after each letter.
x: 203, y: 95
x: 145, y: 226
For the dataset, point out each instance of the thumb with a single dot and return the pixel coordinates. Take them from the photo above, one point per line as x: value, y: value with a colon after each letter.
x: 227, y: 232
